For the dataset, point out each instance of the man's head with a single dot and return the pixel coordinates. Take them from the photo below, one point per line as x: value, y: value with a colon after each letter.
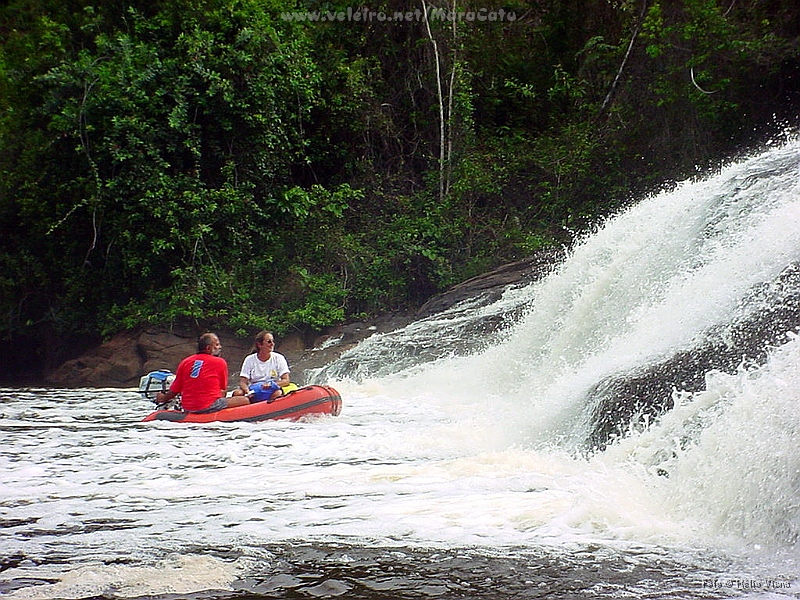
x: 209, y: 344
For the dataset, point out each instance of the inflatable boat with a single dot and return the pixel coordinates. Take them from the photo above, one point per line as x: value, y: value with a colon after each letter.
x: 304, y: 401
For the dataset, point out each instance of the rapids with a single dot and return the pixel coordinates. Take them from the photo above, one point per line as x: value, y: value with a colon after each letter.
x: 630, y: 429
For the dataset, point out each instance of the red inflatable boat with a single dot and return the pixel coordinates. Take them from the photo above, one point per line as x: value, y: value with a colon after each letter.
x: 309, y: 400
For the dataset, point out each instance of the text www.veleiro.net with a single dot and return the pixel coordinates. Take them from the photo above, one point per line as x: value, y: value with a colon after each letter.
x: 365, y: 15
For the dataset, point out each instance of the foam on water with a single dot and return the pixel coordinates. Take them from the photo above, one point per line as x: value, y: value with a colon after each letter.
x: 465, y: 451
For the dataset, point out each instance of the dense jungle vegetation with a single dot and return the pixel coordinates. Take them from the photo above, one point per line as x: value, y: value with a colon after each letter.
x: 295, y: 163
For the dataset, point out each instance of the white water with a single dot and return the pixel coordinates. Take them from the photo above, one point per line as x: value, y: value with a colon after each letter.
x: 476, y: 451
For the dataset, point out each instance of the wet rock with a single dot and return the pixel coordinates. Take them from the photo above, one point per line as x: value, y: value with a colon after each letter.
x: 121, y: 361
x: 494, y: 282
x: 626, y: 400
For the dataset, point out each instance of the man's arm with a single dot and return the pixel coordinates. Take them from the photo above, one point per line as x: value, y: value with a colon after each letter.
x: 164, y: 397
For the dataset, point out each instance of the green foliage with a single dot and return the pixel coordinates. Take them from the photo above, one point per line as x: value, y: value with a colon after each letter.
x: 209, y: 160
x: 323, y: 301
x: 699, y: 48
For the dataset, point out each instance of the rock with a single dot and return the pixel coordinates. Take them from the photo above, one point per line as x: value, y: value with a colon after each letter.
x: 112, y: 364
x: 336, y: 340
x: 641, y: 395
x: 493, y: 282
x: 121, y: 361
x: 489, y: 286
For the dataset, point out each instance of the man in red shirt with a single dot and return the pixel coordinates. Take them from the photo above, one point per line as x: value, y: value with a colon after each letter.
x: 202, y: 380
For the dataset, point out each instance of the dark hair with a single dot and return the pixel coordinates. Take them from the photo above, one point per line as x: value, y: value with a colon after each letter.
x: 206, y: 340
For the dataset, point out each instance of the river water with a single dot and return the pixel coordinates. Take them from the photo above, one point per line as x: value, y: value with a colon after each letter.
x: 458, y: 467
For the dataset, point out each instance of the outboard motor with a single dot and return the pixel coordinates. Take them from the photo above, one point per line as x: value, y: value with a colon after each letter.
x: 154, y: 382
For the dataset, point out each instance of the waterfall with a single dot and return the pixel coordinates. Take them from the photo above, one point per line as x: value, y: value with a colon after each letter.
x: 626, y: 425
x: 666, y: 341
x: 698, y: 278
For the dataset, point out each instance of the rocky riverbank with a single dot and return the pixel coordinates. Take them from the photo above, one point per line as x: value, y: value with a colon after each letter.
x: 121, y: 361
